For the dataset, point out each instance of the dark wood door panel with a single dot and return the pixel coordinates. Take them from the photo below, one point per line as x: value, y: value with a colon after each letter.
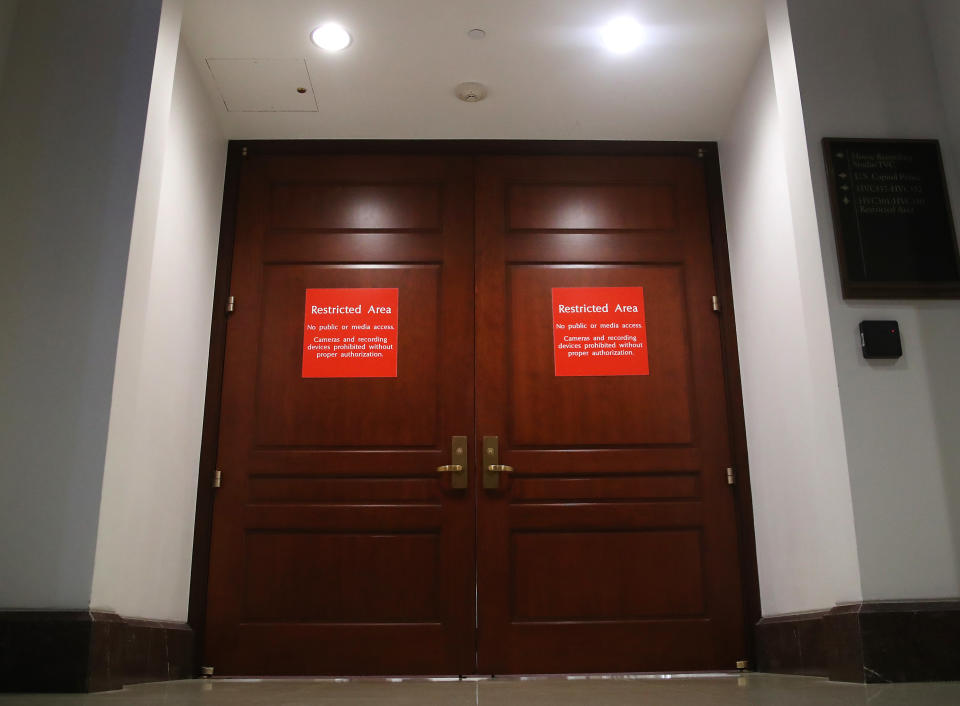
x: 606, y: 486
x: 615, y: 515
x: 400, y: 412
x: 341, y: 649
x: 621, y: 585
x: 593, y: 247
x: 368, y: 463
x: 655, y: 645
x: 570, y: 412
x: 331, y: 490
x: 340, y: 577
x: 340, y: 206
x: 368, y: 518
x: 589, y: 461
x: 354, y: 247
x: 591, y: 207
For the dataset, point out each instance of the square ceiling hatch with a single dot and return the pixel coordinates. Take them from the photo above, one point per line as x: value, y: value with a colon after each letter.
x: 264, y: 85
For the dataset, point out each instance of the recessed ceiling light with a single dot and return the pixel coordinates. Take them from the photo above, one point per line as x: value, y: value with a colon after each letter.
x: 622, y: 35
x: 331, y: 36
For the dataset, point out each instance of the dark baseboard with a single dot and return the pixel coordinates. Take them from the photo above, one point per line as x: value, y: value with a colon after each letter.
x: 866, y: 643
x: 82, y: 651
x: 792, y: 644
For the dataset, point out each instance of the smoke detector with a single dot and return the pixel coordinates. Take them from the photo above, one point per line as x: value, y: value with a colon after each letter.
x: 471, y: 91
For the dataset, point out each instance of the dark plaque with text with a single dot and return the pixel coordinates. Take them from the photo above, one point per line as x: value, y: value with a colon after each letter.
x: 891, y: 213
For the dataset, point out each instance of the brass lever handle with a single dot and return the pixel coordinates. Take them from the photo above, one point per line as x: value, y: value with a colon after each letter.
x: 492, y: 468
x: 459, y: 468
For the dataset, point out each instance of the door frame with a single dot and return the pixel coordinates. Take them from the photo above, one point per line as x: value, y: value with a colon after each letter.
x: 238, y: 150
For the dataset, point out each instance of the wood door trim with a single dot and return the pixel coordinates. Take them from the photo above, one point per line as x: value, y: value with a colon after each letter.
x: 749, y: 573
x: 474, y: 147
x: 210, y: 433
x: 238, y: 150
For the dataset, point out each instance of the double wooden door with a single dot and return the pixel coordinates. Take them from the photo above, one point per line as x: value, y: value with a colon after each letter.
x: 339, y: 548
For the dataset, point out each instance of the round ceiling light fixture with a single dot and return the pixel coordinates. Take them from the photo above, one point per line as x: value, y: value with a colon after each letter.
x: 331, y: 37
x: 622, y: 35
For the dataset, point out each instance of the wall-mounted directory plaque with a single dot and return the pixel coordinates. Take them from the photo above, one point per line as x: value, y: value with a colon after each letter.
x: 891, y: 214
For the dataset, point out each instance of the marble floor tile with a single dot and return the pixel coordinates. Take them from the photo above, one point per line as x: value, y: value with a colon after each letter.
x: 639, y: 690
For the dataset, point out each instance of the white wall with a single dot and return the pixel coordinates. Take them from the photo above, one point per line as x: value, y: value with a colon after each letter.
x: 8, y: 14
x: 144, y: 543
x: 72, y: 116
x: 806, y: 548
x: 943, y: 23
x: 866, y: 69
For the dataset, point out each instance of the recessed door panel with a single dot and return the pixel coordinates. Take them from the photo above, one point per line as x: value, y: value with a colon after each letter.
x: 549, y: 411
x: 547, y: 570
x: 355, y: 206
x: 590, y: 207
x: 340, y: 577
x: 392, y: 412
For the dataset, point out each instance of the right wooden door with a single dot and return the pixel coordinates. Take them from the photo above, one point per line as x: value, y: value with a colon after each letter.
x: 612, y: 543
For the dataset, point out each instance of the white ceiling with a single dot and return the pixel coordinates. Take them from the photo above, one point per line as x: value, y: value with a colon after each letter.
x: 547, y: 74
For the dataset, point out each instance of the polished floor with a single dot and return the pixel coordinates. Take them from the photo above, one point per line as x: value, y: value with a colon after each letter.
x: 641, y: 690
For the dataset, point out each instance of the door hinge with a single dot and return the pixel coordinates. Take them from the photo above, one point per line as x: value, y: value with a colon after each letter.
x: 231, y: 304
x: 206, y: 672
x: 731, y: 476
x: 217, y: 477
x: 716, y: 303
x: 243, y: 152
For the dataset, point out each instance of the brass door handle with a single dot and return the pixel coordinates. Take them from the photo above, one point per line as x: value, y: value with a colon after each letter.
x: 492, y: 468
x: 457, y: 469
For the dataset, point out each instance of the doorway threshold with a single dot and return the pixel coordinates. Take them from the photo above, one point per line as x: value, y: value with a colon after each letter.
x: 625, y: 676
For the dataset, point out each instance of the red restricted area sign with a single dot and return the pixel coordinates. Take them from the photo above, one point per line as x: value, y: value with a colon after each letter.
x: 599, y: 331
x: 350, y: 333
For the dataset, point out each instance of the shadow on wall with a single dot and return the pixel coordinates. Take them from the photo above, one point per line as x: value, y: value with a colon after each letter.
x: 938, y: 324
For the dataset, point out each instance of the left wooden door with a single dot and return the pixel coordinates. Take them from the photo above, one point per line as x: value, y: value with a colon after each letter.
x: 337, y: 547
